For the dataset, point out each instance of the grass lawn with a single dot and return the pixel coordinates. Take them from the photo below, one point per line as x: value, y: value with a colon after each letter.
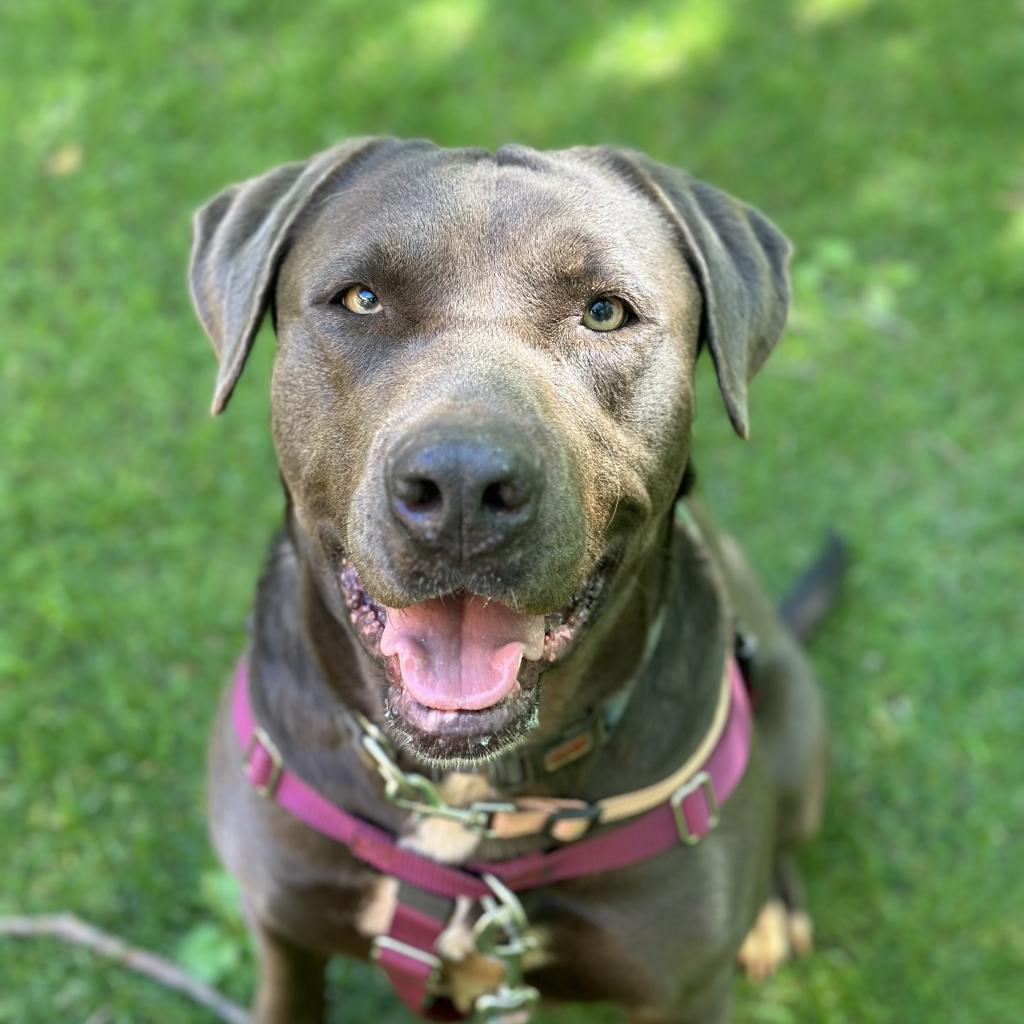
x: 885, y: 136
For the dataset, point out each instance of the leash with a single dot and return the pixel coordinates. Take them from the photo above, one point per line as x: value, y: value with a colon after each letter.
x: 680, y: 809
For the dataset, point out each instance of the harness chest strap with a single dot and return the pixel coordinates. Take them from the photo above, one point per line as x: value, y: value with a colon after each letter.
x: 685, y: 812
x: 406, y: 954
x: 687, y: 804
x: 540, y: 814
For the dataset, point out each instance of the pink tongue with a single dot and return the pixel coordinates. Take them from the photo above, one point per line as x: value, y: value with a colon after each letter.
x: 461, y: 653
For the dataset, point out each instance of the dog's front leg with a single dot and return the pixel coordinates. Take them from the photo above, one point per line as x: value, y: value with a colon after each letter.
x: 711, y: 1005
x: 291, y: 986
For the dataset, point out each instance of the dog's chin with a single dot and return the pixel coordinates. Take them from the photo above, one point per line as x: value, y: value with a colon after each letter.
x: 457, y: 736
x: 461, y: 739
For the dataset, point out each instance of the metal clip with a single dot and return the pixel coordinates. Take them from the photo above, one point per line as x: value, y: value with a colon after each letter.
x: 259, y: 739
x: 500, y: 932
x: 416, y: 793
x: 700, y: 781
x: 588, y: 814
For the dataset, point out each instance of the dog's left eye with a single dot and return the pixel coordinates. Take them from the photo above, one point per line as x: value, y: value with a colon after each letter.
x: 359, y: 299
x: 605, y: 313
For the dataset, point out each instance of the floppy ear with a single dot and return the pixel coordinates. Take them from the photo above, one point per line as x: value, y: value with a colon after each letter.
x: 741, y: 261
x: 238, y: 240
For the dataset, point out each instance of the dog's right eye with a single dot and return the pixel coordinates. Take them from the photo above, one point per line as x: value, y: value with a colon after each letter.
x: 358, y: 299
x: 605, y: 313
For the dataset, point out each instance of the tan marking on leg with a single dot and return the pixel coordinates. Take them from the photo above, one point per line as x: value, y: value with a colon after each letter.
x: 374, y: 917
x: 801, y: 932
x: 766, y: 946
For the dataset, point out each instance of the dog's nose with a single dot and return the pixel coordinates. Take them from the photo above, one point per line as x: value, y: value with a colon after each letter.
x: 462, y: 495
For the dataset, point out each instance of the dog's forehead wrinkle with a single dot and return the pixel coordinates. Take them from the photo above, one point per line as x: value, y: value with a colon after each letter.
x: 495, y: 232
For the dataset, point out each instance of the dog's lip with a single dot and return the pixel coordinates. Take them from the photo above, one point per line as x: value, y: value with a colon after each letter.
x: 478, y: 724
x: 563, y: 630
x: 462, y: 739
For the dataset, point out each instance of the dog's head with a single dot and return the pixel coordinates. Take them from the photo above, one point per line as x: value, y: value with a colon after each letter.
x: 483, y: 391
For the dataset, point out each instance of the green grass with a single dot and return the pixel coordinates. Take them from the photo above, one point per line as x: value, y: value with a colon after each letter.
x: 885, y: 137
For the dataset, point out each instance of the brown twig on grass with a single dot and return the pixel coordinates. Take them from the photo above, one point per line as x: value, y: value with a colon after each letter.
x: 72, y: 929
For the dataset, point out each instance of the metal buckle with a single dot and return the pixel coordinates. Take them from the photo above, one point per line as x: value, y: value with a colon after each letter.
x: 700, y: 781
x: 590, y: 813
x: 500, y: 933
x: 412, y: 953
x: 259, y: 737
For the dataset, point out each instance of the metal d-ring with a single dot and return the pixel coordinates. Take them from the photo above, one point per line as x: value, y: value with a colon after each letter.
x: 500, y: 933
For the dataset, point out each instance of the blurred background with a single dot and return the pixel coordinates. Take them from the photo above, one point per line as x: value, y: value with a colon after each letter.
x: 884, y: 136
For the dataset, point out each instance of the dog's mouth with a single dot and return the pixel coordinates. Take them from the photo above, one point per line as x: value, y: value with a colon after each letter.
x: 463, y: 672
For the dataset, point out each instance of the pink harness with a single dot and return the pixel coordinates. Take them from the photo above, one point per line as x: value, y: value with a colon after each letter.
x: 429, y: 888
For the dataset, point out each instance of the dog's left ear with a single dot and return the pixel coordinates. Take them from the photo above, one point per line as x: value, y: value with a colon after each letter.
x: 741, y: 261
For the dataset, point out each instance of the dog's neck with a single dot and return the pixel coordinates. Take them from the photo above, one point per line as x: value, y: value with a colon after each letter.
x: 307, y: 669
x: 675, y: 684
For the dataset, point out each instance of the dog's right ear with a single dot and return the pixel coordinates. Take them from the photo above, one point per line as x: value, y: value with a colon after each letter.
x: 238, y: 240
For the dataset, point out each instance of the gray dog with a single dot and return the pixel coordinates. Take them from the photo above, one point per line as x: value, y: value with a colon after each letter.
x: 494, y: 610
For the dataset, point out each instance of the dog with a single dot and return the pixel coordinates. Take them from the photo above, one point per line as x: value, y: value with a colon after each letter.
x: 482, y: 402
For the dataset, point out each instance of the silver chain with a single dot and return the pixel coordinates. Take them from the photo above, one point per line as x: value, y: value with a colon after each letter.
x: 414, y: 792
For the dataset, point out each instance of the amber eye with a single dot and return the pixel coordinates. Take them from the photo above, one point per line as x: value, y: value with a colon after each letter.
x: 359, y: 299
x: 605, y: 313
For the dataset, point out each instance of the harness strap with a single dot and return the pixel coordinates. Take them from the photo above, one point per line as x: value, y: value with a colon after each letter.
x: 679, y: 809
x: 406, y: 952
x: 264, y: 768
x: 685, y: 814
x: 539, y: 814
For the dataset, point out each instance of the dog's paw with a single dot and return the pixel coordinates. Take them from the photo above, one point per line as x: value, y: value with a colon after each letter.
x: 778, y: 934
x: 801, y: 932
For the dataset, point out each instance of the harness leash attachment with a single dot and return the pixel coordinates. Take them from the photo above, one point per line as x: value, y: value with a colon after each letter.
x: 500, y: 933
x: 408, y: 955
